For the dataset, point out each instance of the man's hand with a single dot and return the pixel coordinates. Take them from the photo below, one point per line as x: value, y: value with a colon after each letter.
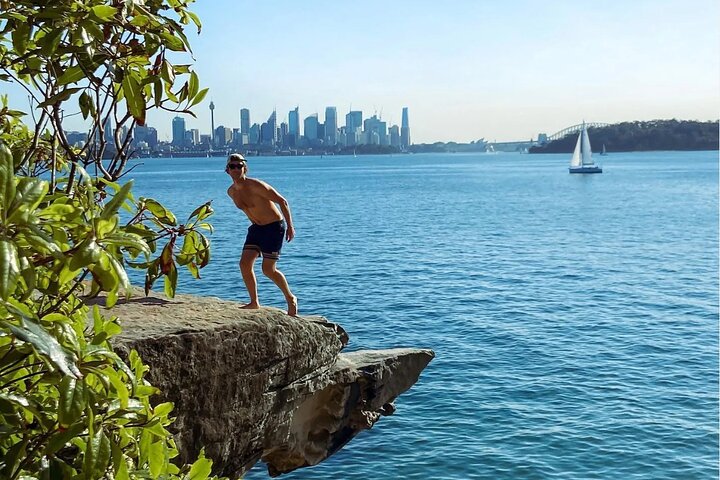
x: 290, y: 233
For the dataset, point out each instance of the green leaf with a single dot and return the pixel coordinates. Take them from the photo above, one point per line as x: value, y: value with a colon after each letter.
x: 59, y: 439
x: 49, y: 43
x: 97, y: 455
x: 20, y: 37
x: 9, y: 267
x: 119, y: 385
x: 71, y: 402
x: 172, y: 42
x: 60, y: 97
x: 199, y: 97
x: 87, y: 105
x: 104, y: 273
x: 60, y: 211
x: 129, y: 240
x: 134, y: 97
x: 163, y: 409
x: 27, y: 273
x: 162, y: 213
x: 201, y: 469
x: 88, y: 252
x: 15, y: 401
x: 170, y: 281
x: 193, y: 85
x: 119, y: 463
x: 71, y: 75
x: 29, y: 192
x: 193, y: 268
x: 156, y: 457
x: 7, y: 178
x: 32, y: 332
x: 104, y: 12
x: 112, y: 207
x: 167, y: 73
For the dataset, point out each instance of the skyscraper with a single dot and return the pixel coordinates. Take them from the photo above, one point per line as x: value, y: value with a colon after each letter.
x: 353, y: 127
x: 375, y: 131
x: 405, y: 130
x: 331, y: 125
x: 294, y: 122
x: 394, y: 136
x: 212, y: 121
x: 178, y: 131
x: 311, y: 127
x: 268, y: 130
x: 244, y: 121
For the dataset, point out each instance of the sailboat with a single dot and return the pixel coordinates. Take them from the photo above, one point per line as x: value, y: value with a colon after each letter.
x: 604, y: 152
x: 582, y: 161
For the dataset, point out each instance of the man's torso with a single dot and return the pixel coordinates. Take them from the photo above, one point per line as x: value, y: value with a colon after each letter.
x: 248, y: 198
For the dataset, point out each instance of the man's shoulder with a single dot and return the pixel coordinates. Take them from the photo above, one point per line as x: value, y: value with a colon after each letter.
x: 255, y: 182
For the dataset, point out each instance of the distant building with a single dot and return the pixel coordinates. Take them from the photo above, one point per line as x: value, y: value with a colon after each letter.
x: 254, y: 134
x: 310, y: 127
x: 76, y: 138
x: 195, y: 135
x: 405, y: 129
x: 394, y: 136
x: 268, y: 130
x: 205, y: 140
x: 188, y: 139
x: 212, y: 121
x: 284, y: 134
x: 178, y: 132
x: 223, y: 136
x: 293, y: 127
x: 331, y: 126
x: 353, y: 127
x: 375, y: 131
x: 148, y: 135
x: 244, y: 121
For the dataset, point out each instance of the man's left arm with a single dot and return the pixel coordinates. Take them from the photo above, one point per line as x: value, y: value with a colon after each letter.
x: 275, y: 197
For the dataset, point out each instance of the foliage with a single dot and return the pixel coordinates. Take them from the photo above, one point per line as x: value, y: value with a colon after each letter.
x: 69, y: 406
x: 642, y: 136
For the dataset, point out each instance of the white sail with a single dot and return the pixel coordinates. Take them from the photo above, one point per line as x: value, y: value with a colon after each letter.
x: 576, y: 160
x: 586, y: 150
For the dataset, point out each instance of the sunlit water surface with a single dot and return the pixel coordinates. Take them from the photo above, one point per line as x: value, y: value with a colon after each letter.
x: 574, y: 318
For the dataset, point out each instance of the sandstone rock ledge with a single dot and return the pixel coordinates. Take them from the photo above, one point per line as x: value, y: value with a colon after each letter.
x: 258, y: 384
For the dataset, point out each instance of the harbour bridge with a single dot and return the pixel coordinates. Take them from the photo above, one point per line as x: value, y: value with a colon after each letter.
x: 575, y: 129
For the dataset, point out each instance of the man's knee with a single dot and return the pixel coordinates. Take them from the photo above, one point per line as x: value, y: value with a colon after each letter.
x: 247, y: 261
x: 268, y: 268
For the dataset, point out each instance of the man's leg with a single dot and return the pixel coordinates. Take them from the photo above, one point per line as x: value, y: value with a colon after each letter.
x: 270, y: 270
x: 247, y: 261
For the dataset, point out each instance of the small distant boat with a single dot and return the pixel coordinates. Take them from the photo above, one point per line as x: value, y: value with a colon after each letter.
x: 603, y: 153
x: 582, y: 161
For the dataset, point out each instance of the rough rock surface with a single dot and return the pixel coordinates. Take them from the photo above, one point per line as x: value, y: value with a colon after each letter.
x: 252, y: 384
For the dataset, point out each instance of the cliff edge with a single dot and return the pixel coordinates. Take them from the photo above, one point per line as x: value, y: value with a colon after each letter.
x: 258, y: 384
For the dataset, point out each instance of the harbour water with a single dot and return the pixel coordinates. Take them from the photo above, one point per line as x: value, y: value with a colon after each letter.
x: 574, y: 318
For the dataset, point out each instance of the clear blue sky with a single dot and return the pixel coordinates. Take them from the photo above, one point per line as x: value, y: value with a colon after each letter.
x: 465, y: 68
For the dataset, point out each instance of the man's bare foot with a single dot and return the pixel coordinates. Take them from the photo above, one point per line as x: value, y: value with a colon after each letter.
x: 293, y: 306
x: 251, y: 306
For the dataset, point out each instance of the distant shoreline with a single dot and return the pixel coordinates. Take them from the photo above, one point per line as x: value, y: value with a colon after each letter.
x: 651, y: 136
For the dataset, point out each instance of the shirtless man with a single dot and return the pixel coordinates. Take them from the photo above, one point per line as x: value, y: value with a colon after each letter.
x: 258, y: 201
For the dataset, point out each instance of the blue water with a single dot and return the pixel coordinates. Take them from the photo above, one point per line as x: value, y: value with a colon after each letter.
x: 574, y: 318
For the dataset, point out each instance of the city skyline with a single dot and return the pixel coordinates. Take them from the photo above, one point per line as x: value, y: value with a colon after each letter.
x: 287, y: 135
x: 499, y: 71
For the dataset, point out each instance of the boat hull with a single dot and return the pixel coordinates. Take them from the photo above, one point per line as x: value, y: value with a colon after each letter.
x: 585, y: 170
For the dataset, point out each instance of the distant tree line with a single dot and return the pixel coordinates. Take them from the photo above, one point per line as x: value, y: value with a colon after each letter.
x: 642, y: 136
